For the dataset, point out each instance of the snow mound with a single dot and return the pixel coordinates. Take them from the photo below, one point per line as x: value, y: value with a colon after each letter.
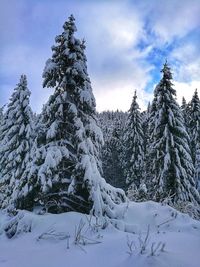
x: 159, y: 218
x: 149, y: 235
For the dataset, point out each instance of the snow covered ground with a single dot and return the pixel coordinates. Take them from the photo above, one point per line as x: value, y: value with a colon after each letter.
x: 55, y: 240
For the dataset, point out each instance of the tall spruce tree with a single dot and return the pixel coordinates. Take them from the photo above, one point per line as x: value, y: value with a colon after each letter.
x: 145, y: 125
x: 186, y: 113
x: 67, y: 171
x: 184, y: 104
x: 16, y: 142
x: 197, y: 166
x: 1, y: 137
x: 1, y: 115
x: 134, y: 146
x: 194, y: 130
x: 1, y: 124
x: 170, y: 165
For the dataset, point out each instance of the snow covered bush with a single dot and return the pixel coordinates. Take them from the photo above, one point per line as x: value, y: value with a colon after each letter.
x: 19, y: 222
x: 144, y: 246
x: 138, y: 193
x: 189, y: 208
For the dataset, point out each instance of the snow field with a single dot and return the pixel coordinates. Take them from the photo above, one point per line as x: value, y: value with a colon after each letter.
x: 55, y: 240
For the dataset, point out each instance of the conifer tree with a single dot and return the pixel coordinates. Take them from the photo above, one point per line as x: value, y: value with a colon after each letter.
x: 134, y: 146
x: 67, y: 171
x: 194, y: 130
x: 186, y: 114
x: 1, y: 124
x: 1, y: 115
x: 145, y: 125
x: 1, y: 137
x: 16, y: 142
x: 184, y: 104
x: 171, y: 167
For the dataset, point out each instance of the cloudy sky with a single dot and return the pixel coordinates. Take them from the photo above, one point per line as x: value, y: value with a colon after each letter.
x: 127, y: 43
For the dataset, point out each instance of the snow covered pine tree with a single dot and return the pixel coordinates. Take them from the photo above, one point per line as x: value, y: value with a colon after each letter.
x: 185, y: 111
x: 170, y: 162
x: 145, y: 125
x: 66, y: 174
x: 194, y: 131
x: 1, y: 137
x: 1, y: 119
x: 1, y: 125
x: 16, y: 142
x: 134, y: 147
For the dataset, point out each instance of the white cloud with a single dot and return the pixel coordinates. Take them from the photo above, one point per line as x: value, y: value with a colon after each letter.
x: 113, y: 30
x: 24, y: 59
x: 11, y: 24
x: 120, y: 67
x: 120, y: 98
x: 113, y: 93
x: 187, y: 62
x: 173, y: 18
x: 186, y: 90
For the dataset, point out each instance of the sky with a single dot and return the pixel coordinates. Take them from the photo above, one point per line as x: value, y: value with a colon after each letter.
x: 127, y: 43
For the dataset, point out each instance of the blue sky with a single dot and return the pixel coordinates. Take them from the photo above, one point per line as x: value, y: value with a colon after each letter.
x: 127, y: 43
